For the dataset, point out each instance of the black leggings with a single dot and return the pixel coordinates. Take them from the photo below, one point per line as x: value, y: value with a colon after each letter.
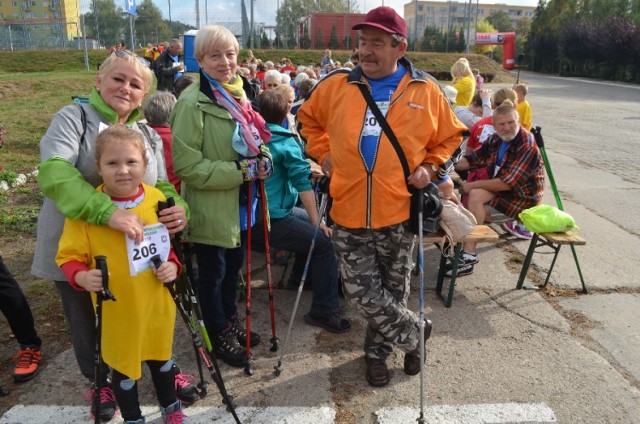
x: 126, y: 389
x: 14, y: 306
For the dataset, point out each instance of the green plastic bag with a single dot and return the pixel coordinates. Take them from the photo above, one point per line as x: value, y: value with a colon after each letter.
x: 547, y: 219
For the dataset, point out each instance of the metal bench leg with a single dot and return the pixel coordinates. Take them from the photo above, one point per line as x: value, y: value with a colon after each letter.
x: 527, y: 261
x: 575, y: 257
x: 441, y: 272
x: 553, y: 262
x: 454, y: 274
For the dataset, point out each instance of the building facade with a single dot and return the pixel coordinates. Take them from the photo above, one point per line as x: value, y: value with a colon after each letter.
x: 451, y: 15
x: 36, y: 24
x: 317, y: 28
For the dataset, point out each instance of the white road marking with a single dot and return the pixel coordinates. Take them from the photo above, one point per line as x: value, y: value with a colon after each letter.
x: 41, y: 414
x: 470, y: 414
x: 441, y: 414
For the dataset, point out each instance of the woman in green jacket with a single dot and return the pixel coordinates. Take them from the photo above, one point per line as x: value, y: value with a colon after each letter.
x: 218, y: 152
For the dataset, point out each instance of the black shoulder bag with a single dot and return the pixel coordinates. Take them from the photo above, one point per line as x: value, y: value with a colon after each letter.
x: 425, y: 200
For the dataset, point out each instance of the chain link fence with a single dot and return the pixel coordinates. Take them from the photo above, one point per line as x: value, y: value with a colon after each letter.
x: 38, y: 36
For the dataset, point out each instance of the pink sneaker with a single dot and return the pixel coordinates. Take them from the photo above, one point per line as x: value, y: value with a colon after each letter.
x: 173, y: 414
x: 185, y: 389
x: 517, y: 230
x: 108, y: 408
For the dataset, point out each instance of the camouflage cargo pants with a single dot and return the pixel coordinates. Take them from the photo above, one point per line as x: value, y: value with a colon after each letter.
x: 376, y: 268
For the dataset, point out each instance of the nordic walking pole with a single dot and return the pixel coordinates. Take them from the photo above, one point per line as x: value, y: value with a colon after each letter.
x: 267, y: 248
x: 207, y: 355
x: 248, y: 365
x: 228, y: 400
x: 537, y: 134
x: 105, y: 294
x: 323, y: 205
x: 421, y: 274
x: 177, y: 247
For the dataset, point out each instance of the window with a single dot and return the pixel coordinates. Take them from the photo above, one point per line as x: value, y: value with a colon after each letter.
x: 14, y: 4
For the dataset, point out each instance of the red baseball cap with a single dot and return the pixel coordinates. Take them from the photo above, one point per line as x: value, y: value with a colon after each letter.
x: 386, y: 19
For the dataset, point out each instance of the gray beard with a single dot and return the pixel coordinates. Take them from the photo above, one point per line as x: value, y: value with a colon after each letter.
x: 510, y: 137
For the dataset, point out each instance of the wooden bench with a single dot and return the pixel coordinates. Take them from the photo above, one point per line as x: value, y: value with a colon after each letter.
x: 555, y: 241
x: 480, y: 234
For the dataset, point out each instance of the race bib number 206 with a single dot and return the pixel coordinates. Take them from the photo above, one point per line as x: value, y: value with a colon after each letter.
x: 156, y: 242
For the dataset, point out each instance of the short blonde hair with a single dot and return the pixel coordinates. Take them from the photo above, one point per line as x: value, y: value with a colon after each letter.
x: 286, y: 90
x: 212, y: 37
x: 522, y: 89
x: 114, y: 59
x: 119, y: 134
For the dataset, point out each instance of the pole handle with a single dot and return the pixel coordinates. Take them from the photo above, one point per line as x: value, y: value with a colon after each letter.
x: 101, y: 264
x: 537, y: 134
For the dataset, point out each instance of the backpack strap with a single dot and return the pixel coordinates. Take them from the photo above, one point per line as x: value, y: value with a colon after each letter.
x: 83, y: 119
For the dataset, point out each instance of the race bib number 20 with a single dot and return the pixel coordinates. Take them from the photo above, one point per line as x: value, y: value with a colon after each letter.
x: 156, y: 242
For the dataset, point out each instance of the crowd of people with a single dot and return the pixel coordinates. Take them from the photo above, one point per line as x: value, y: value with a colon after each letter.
x: 211, y: 145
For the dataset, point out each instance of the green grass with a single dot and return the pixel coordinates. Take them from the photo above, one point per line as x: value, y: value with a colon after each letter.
x: 27, y: 104
x: 20, y: 207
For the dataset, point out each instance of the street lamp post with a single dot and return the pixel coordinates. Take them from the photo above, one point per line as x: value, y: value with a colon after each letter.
x: 170, y: 24
x: 415, y: 28
x: 253, y: 34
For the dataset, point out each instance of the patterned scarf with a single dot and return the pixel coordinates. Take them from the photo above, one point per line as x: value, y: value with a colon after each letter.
x: 231, y: 96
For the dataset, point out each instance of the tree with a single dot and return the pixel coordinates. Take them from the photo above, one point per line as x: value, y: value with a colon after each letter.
x: 348, y: 42
x: 333, y: 38
x: 461, y: 44
x: 105, y: 22
x: 485, y: 26
x: 305, y: 41
x: 319, y: 42
x: 264, y: 41
x: 149, y: 25
x: 431, y: 40
x: 500, y: 20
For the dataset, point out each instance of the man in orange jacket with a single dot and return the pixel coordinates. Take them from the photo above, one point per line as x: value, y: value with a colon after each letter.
x: 370, y: 195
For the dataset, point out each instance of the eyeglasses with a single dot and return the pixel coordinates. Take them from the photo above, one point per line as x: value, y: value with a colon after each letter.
x: 123, y: 54
x: 272, y: 85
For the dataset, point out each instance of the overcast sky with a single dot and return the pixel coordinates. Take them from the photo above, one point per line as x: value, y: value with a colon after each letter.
x: 263, y: 10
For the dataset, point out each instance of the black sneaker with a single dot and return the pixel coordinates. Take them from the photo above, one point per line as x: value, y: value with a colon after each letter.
x: 227, y: 348
x: 241, y: 333
x: 464, y: 259
x: 463, y: 270
x: 330, y: 322
x: 107, y: 401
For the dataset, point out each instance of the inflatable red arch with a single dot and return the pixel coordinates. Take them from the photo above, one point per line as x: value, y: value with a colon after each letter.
x: 508, y: 41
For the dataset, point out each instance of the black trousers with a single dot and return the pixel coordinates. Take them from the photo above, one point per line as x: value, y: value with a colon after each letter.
x: 14, y: 306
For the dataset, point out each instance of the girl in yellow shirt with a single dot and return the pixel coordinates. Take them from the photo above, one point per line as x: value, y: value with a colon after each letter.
x: 138, y: 326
